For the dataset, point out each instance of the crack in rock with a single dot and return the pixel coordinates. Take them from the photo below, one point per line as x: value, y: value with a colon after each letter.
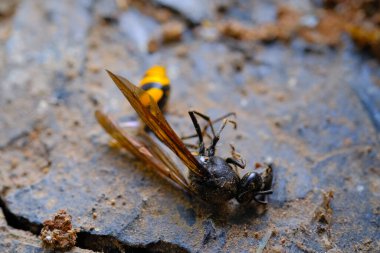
x: 87, y: 240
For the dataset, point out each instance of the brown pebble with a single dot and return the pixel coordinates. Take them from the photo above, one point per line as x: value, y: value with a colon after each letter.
x: 172, y: 31
x: 182, y: 51
x: 277, y: 249
x: 94, y: 67
x: 33, y: 135
x: 45, y: 169
x: 49, y: 132
x: 58, y: 233
x: 277, y: 124
x: 122, y: 4
x: 153, y: 45
x: 162, y: 15
x: 14, y: 163
x: 94, y: 215
x: 280, y: 97
x: 234, y: 29
x: 347, y: 142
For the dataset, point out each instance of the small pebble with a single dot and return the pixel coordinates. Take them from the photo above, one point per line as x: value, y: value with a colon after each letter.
x: 172, y: 31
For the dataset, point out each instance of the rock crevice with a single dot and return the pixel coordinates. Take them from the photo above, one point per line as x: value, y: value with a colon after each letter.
x: 87, y: 240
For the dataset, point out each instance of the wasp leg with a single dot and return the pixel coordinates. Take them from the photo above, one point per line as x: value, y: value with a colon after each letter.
x: 240, y: 163
x: 223, y: 117
x: 217, y: 136
x: 195, y: 135
x: 192, y: 146
x: 265, y: 192
x: 209, y: 122
x: 199, y: 133
x: 234, y: 154
x: 204, y: 130
x: 262, y: 199
x: 189, y: 137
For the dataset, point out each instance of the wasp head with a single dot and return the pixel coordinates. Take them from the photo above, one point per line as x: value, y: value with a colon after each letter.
x: 254, y: 185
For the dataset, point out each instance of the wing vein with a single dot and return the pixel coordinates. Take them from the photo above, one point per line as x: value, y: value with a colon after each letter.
x: 139, y: 150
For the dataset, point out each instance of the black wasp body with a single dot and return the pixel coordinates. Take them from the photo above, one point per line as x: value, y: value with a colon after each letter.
x: 223, y: 182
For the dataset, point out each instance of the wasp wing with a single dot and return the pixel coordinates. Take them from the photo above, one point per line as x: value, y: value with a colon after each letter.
x: 153, y: 118
x: 157, y: 159
x: 155, y: 149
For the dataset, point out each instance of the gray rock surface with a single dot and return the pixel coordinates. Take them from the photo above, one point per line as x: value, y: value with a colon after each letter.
x: 193, y: 10
x: 15, y: 240
x: 315, y: 114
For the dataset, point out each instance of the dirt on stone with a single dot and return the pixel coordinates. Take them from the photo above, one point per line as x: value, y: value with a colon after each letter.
x: 324, y: 212
x: 58, y: 233
x: 303, y: 95
x: 358, y: 19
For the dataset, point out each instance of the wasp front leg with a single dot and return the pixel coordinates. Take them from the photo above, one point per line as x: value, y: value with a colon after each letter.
x: 236, y: 159
x: 237, y: 162
x: 267, y: 181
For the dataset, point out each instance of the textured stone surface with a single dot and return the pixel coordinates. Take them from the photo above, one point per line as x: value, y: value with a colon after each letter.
x: 193, y: 10
x: 314, y: 111
x: 14, y: 240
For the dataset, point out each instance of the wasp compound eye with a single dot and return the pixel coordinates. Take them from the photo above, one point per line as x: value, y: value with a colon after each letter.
x: 250, y: 184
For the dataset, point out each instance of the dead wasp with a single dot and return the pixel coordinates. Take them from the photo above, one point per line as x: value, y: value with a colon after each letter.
x: 210, y: 177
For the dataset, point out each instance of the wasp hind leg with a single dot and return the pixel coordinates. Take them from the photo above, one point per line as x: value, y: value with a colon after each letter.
x: 215, y: 140
x: 191, y: 146
x: 199, y: 132
x: 209, y: 124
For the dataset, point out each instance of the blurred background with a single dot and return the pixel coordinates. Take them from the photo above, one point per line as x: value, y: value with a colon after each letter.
x: 302, y: 76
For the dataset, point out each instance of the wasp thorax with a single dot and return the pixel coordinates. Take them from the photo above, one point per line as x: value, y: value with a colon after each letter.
x: 222, y: 183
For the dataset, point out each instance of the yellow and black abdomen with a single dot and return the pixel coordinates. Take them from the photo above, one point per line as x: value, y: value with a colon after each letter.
x: 157, y: 84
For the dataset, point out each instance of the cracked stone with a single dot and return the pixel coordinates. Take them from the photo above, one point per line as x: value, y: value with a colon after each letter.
x: 14, y: 240
x: 313, y: 114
